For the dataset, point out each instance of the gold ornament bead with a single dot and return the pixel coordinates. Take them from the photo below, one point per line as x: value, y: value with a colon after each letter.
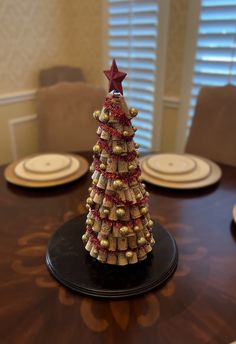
x: 131, y: 167
x: 120, y: 212
x: 152, y: 241
x: 139, y: 196
x: 140, y: 178
x: 124, y: 230
x: 89, y: 201
x: 105, y: 117
x: 96, y: 149
x: 96, y: 114
x: 150, y: 223
x: 104, y: 243
x: 125, y: 133
x: 117, y: 184
x: 106, y: 211
x: 129, y: 254
x: 84, y: 238
x: 102, y: 166
x: 135, y: 129
x: 143, y: 185
x: 133, y: 111
x: 147, y: 194
x: 136, y: 228
x: 148, y: 235
x: 144, y: 210
x: 136, y: 145
x: 89, y: 222
x: 117, y: 150
x: 90, y: 189
x: 95, y: 252
x: 141, y: 241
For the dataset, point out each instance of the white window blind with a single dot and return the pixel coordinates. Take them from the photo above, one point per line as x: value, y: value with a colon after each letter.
x: 215, y: 57
x: 133, y: 31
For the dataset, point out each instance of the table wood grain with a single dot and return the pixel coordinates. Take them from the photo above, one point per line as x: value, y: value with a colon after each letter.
x: 197, y: 305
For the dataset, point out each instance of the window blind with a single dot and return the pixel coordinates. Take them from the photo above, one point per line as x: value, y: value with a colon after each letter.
x: 215, y: 58
x: 133, y: 31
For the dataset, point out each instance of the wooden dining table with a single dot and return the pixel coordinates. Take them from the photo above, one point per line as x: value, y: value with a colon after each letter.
x: 196, y: 305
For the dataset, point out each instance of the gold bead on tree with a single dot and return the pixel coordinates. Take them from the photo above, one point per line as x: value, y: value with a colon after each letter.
x: 136, y: 145
x: 91, y: 168
x: 105, y: 117
x: 135, y: 129
x: 129, y: 254
x: 89, y: 222
x: 133, y: 111
x: 144, y: 210
x: 125, y: 133
x: 140, y: 178
x: 120, y: 212
x: 96, y: 114
x: 131, y: 167
x: 150, y: 223
x: 104, y: 243
x: 96, y: 149
x: 148, y: 235
x: 89, y: 201
x: 106, y: 211
x: 136, y: 228
x: 152, y: 241
x: 84, y: 238
x: 90, y: 189
x: 141, y: 241
x: 102, y: 166
x: 124, y: 230
x: 118, y: 184
x: 139, y: 196
x: 117, y: 150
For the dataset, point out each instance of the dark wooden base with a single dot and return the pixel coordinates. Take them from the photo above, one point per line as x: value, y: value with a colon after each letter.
x: 71, y: 264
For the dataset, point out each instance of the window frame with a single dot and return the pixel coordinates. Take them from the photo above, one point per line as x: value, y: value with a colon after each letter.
x: 162, y: 37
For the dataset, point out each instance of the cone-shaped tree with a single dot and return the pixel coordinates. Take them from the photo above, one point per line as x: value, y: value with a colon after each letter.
x: 118, y: 225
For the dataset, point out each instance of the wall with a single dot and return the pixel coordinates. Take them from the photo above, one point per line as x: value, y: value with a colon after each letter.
x: 38, y: 34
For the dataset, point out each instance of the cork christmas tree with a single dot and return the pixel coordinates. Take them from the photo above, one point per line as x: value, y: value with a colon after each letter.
x: 118, y: 225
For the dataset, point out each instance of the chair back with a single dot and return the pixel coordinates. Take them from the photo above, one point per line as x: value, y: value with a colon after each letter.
x: 65, y: 116
x: 213, y: 131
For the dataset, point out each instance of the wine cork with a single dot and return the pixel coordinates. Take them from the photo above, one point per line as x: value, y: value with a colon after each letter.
x: 122, y: 166
x: 111, y: 259
x: 99, y: 130
x: 111, y: 165
x: 122, y: 243
x: 110, y: 185
x: 98, y: 198
x: 102, y: 256
x: 122, y: 260
x: 135, y: 212
x: 102, y: 182
x: 148, y: 248
x: 112, y: 215
x: 132, y: 242
x: 130, y: 146
x: 112, y: 243
x: 105, y: 135
x: 133, y: 259
x: 141, y: 253
x: 88, y: 245
x: 94, y: 252
x: 96, y: 226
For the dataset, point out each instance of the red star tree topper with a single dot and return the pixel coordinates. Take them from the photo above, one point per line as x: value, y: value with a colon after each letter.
x: 115, y: 78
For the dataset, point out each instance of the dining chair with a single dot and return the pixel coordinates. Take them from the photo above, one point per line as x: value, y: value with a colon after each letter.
x: 53, y: 75
x: 65, y: 116
x: 213, y: 131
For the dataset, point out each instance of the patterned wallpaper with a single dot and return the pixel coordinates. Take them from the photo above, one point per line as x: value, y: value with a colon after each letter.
x: 36, y: 34
x: 175, y: 50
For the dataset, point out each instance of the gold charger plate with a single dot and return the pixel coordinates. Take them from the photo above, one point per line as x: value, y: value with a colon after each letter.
x: 11, y: 177
x: 212, y: 178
